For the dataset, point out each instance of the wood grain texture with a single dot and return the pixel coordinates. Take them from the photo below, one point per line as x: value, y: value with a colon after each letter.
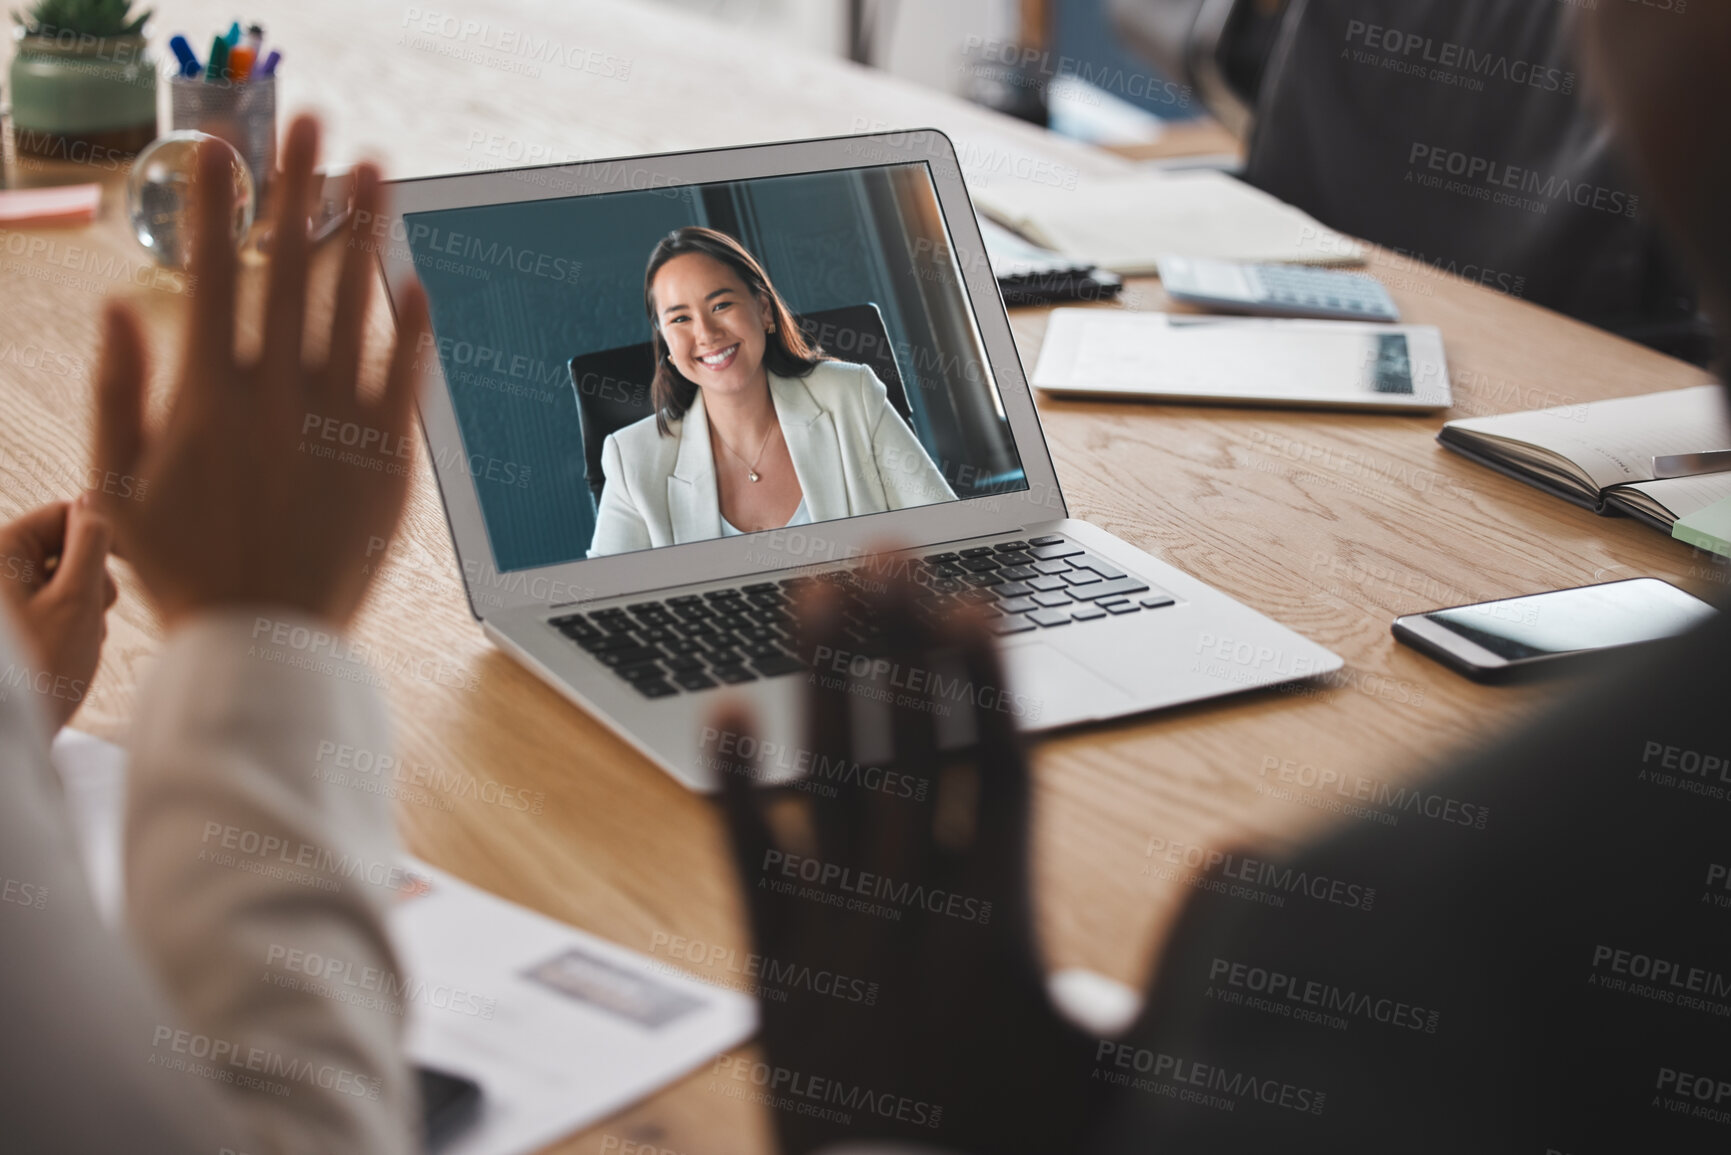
x: 1330, y: 523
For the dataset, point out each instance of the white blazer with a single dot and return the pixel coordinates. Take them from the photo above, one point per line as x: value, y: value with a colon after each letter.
x: 852, y: 453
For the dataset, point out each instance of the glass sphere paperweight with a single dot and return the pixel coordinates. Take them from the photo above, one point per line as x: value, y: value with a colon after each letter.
x: 159, y: 197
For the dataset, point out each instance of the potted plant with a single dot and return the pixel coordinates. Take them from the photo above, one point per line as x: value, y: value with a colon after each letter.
x: 83, y: 86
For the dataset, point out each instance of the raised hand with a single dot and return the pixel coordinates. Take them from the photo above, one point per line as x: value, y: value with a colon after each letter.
x: 909, y: 884
x: 245, y: 501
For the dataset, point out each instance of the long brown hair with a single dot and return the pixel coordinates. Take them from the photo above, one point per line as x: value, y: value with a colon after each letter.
x: 786, y: 352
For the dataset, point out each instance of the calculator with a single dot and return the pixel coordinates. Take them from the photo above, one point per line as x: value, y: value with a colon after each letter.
x: 1277, y: 290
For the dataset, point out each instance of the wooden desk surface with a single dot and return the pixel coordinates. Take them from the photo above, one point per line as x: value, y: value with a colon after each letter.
x: 1330, y: 523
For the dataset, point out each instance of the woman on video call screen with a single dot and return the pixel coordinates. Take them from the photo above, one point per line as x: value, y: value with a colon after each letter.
x: 754, y: 427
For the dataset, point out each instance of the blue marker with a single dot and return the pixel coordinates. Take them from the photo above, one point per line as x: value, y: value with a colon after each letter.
x: 189, y: 66
x: 233, y: 35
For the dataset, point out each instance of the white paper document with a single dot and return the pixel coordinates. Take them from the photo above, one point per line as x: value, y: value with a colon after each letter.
x: 1126, y: 223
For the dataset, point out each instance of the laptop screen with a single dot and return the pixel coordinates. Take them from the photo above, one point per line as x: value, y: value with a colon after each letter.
x: 673, y: 364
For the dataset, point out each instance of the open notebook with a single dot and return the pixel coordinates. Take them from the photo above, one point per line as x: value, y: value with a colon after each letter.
x: 1601, y: 455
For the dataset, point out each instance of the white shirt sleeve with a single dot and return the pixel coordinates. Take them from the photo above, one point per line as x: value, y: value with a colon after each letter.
x: 181, y: 1036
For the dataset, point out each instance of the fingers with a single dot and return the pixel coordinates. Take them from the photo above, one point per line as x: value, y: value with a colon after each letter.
x: 829, y: 728
x: 27, y: 543
x: 403, y: 380
x: 742, y: 803
x: 209, y: 354
x: 1000, y: 850
x: 354, y: 290
x: 286, y: 306
x: 120, y: 381
x: 896, y: 839
x: 83, y: 566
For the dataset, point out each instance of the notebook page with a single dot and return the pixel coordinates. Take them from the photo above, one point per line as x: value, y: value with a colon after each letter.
x: 1127, y: 223
x: 1683, y: 496
x: 1614, y: 442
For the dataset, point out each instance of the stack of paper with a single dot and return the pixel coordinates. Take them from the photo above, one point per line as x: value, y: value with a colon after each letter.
x: 1127, y: 222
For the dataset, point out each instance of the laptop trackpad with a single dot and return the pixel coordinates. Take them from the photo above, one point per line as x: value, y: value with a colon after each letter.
x: 1054, y: 689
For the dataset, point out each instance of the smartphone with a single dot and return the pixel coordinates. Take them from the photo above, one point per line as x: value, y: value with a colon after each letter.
x: 1522, y: 637
x: 448, y: 1102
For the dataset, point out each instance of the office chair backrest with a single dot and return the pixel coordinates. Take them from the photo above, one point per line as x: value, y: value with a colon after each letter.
x: 612, y: 385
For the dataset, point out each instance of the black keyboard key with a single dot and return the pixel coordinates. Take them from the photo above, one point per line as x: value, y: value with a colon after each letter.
x: 640, y: 607
x: 641, y: 672
x: 654, y: 689
x: 1061, y: 549
x: 694, y: 681
x: 700, y: 629
x: 978, y: 597
x: 1049, y: 539
x: 775, y: 667
x: 1050, y: 617
x: 733, y: 675
x: 1121, y: 607
x: 1081, y: 577
x: 1017, y: 606
x: 1100, y: 566
x: 759, y: 588
x: 1116, y: 588
x: 1053, y: 565
x: 732, y: 622
x: 684, y: 600
x: 1046, y: 582
x: 631, y: 656
x: 1087, y: 613
x: 607, y: 643
x: 720, y: 595
x: 1011, y: 546
x: 940, y: 558
x: 1015, y: 557
x: 980, y: 551
x: 684, y: 664
x: 1013, y: 624
x: 982, y: 580
x: 1013, y: 590
x: 1018, y: 573
x: 979, y: 565
x: 1053, y: 598
x: 1155, y: 601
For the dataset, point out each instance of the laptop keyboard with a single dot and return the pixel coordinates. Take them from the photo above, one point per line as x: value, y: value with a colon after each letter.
x: 696, y: 642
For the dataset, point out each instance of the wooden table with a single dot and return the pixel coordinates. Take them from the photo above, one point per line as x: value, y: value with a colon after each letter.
x: 1330, y: 523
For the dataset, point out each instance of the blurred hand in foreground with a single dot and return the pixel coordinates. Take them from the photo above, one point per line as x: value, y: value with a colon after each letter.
x: 239, y: 498
x: 54, y: 575
x: 903, y: 886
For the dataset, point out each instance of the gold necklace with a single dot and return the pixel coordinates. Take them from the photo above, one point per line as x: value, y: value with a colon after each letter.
x: 751, y: 467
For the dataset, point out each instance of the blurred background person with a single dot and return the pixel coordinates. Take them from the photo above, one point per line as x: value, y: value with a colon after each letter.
x: 1458, y: 133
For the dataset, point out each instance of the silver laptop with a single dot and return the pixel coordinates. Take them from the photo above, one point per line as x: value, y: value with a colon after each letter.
x: 599, y: 547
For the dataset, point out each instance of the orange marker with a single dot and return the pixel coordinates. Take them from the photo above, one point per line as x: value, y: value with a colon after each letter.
x: 240, y: 62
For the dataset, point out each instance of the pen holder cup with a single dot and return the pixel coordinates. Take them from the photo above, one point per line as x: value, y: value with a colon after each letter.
x: 243, y: 114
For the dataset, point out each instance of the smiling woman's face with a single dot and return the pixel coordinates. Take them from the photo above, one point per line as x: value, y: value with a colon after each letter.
x: 713, y: 325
